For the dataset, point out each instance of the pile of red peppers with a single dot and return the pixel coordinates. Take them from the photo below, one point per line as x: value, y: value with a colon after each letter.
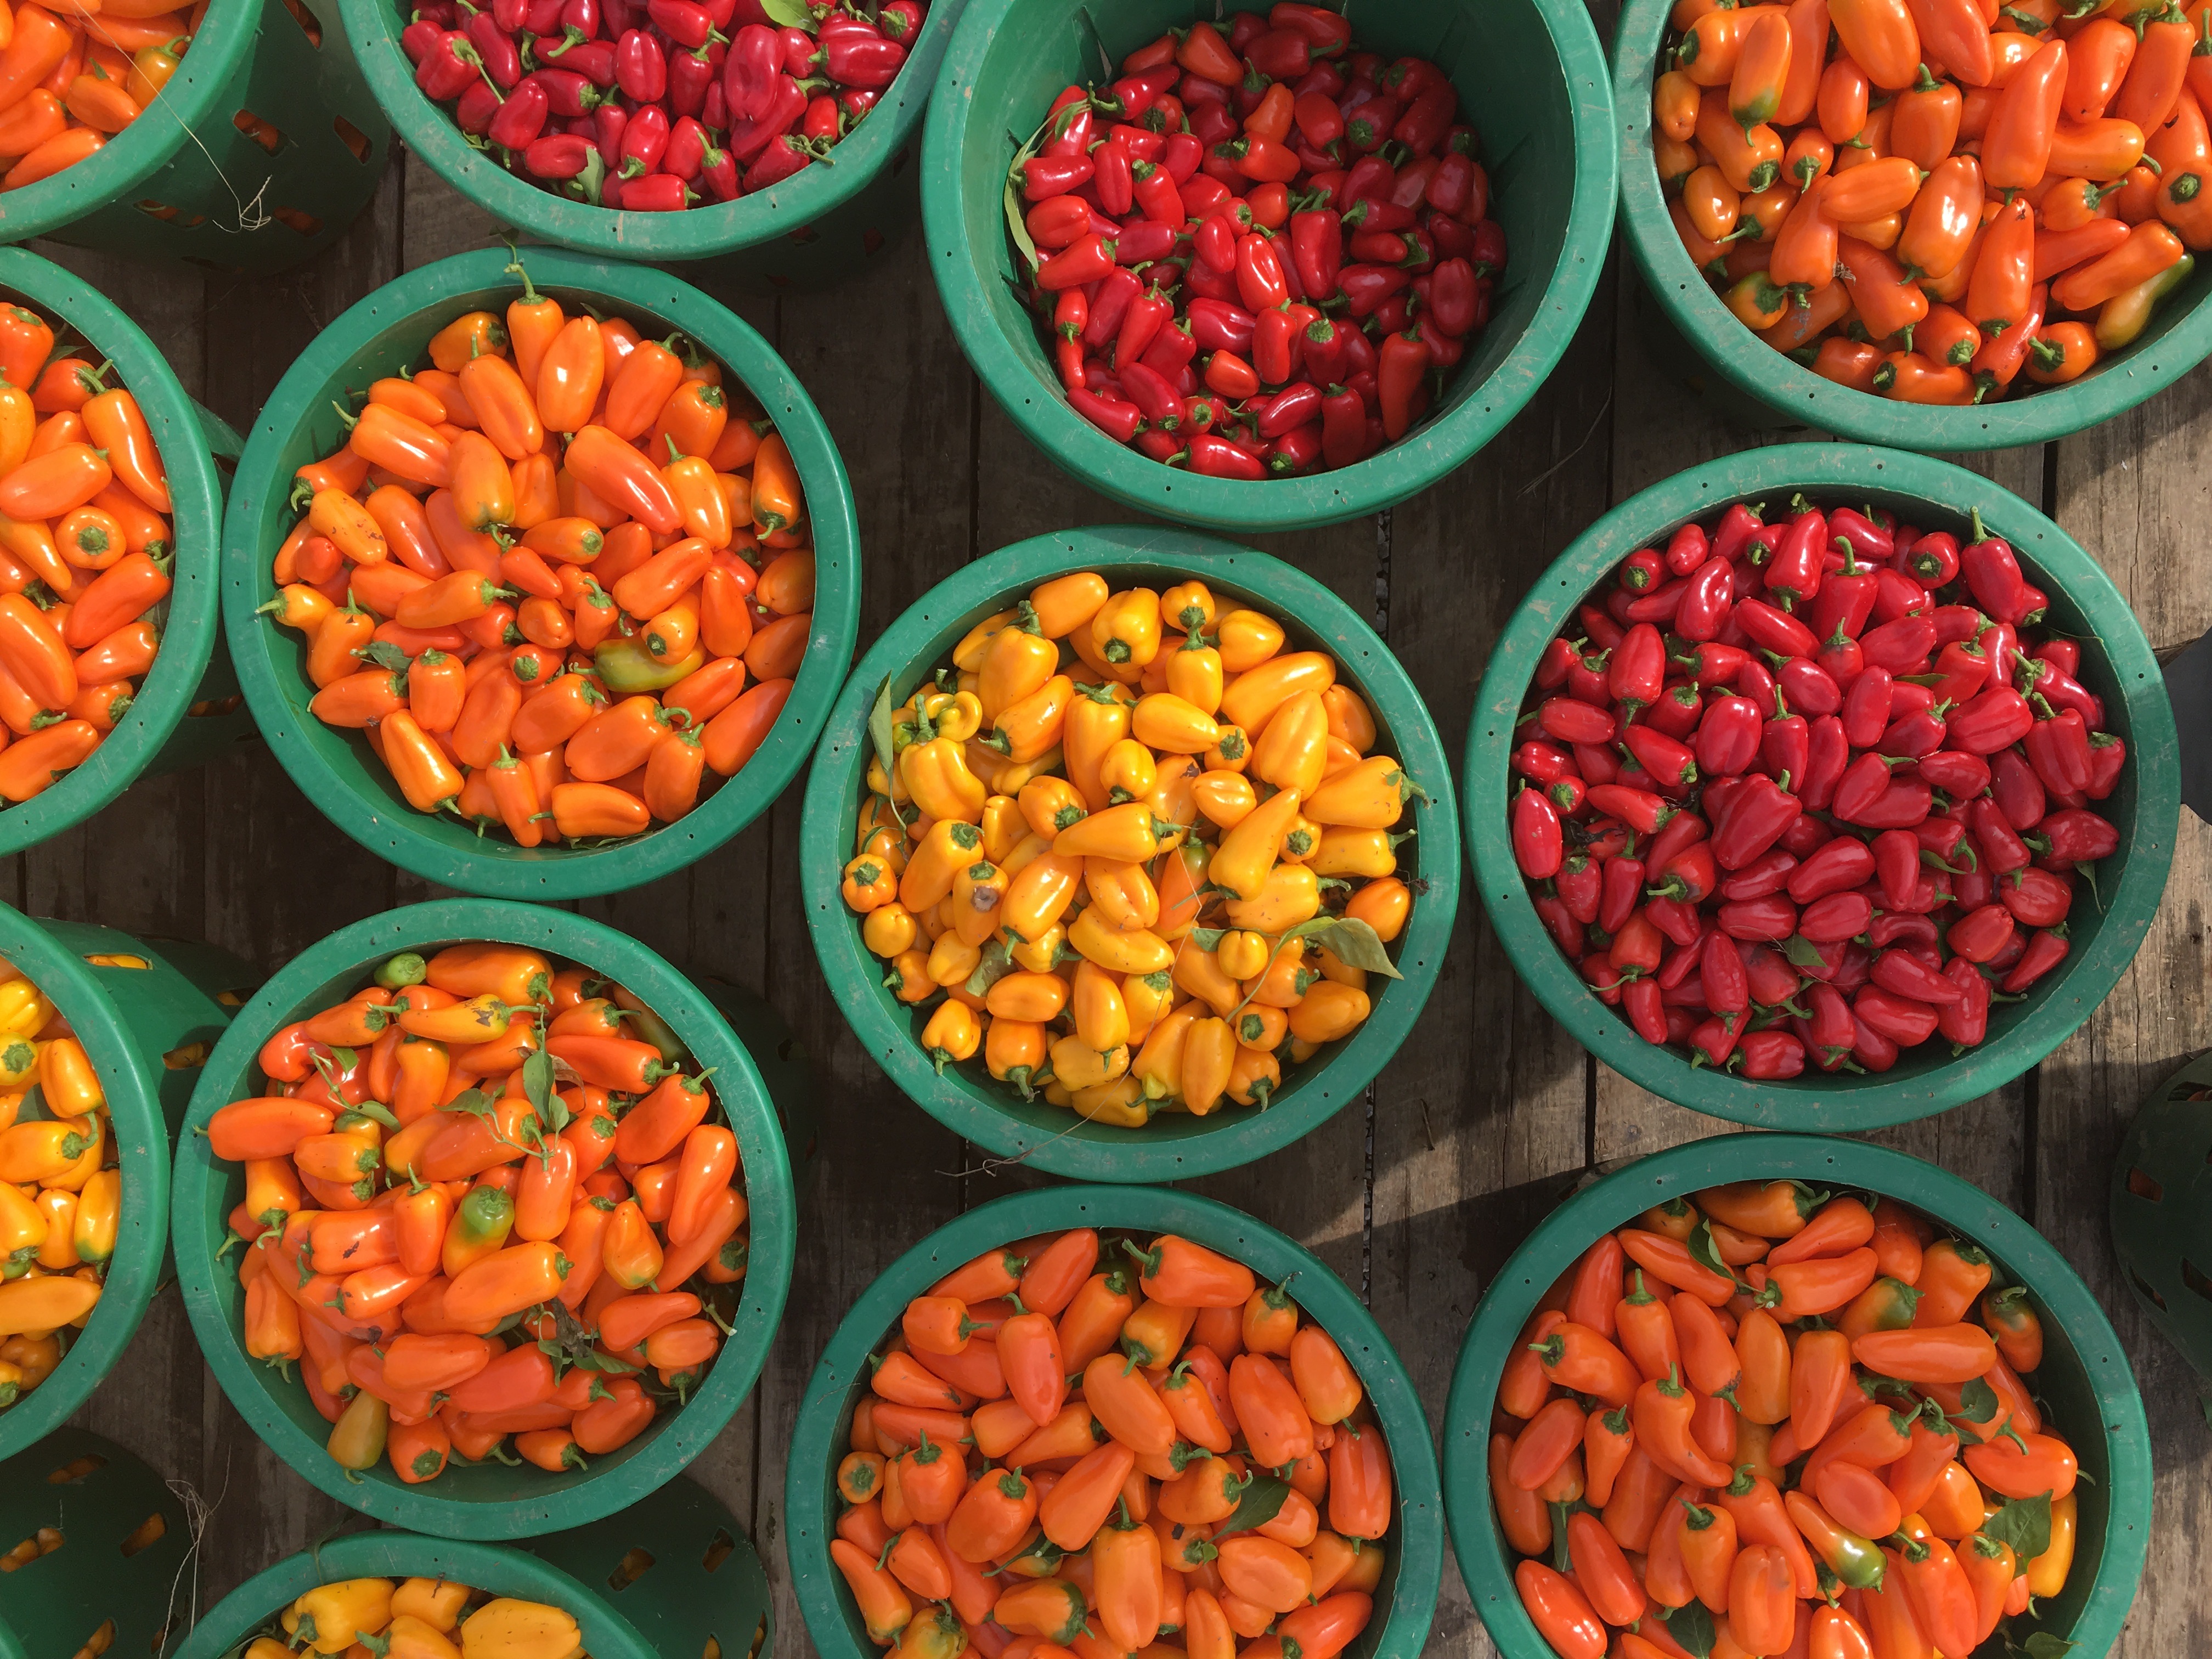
x: 655, y: 106
x: 1812, y: 791
x: 1260, y: 252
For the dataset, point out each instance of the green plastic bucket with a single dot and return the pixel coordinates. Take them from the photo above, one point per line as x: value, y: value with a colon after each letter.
x: 106, y: 1574
x: 158, y: 734
x: 146, y: 1030
x: 1405, y: 1600
x: 183, y: 181
x: 387, y: 332
x: 2115, y: 664
x: 491, y: 1500
x: 2162, y: 1210
x: 1532, y: 81
x: 658, y: 1580
x: 820, y: 225
x: 2178, y: 339
x: 2085, y: 1385
x: 1174, y: 1145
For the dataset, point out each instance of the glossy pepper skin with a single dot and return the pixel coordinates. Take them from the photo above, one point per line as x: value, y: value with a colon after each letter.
x: 1926, y: 117
x: 1877, y: 839
x: 1273, y: 232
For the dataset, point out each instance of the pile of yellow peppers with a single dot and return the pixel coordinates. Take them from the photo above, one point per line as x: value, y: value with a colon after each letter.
x: 418, y: 1619
x: 1142, y: 850
x: 59, y: 1190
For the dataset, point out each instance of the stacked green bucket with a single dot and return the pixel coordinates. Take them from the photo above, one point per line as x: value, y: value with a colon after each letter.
x: 1405, y: 1600
x: 491, y: 1500
x: 818, y: 226
x: 668, y: 1578
x: 962, y: 1097
x: 191, y: 180
x: 384, y: 334
x: 147, y: 1013
x: 2162, y: 1210
x: 98, y: 1550
x: 186, y: 710
x: 2084, y: 1385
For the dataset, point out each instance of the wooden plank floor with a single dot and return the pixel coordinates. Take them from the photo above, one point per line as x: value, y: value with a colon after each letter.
x: 1416, y: 1194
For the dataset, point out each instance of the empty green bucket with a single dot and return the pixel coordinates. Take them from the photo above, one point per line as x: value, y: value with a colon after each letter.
x: 2161, y: 1211
x: 1173, y: 1145
x: 117, y: 1544
x: 820, y: 225
x: 1405, y: 1600
x: 187, y: 181
x: 385, y: 333
x: 2178, y: 337
x: 2084, y: 1384
x: 1532, y: 83
x: 147, y: 1013
x: 2115, y: 664
x: 183, y: 713
x: 489, y: 1500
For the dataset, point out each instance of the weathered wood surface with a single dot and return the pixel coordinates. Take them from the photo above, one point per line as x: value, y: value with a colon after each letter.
x: 1415, y: 1196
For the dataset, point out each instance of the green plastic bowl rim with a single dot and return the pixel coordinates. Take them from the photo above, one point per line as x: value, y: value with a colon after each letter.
x: 1849, y: 471
x: 1797, y: 392
x: 188, y: 634
x: 1394, y: 475
x: 1096, y: 1151
x: 142, y: 1158
x: 677, y: 1437
x: 810, y: 1483
x: 388, y: 1554
x: 130, y: 158
x: 696, y: 233
x: 384, y: 823
x: 1565, y: 1234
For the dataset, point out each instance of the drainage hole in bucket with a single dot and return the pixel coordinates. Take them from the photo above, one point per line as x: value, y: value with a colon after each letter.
x: 190, y: 1057
x: 44, y: 1542
x: 163, y: 210
x: 2134, y: 1277
x: 718, y: 1550
x: 310, y: 25
x: 98, y: 1642
x: 262, y: 132
x: 352, y: 137
x: 2144, y: 1187
x: 146, y: 1534
x: 2196, y: 1280
x: 75, y: 1469
x: 634, y: 1566
x: 293, y: 219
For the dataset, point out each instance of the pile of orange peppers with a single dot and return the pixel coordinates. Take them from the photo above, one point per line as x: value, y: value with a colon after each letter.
x: 60, y: 1192
x: 1766, y: 1421
x: 71, y: 79
x: 416, y: 1619
x: 1139, y: 847
x: 1937, y: 200
x: 482, y: 1136
x: 559, y: 579
x: 85, y: 553
x: 1094, y: 1445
